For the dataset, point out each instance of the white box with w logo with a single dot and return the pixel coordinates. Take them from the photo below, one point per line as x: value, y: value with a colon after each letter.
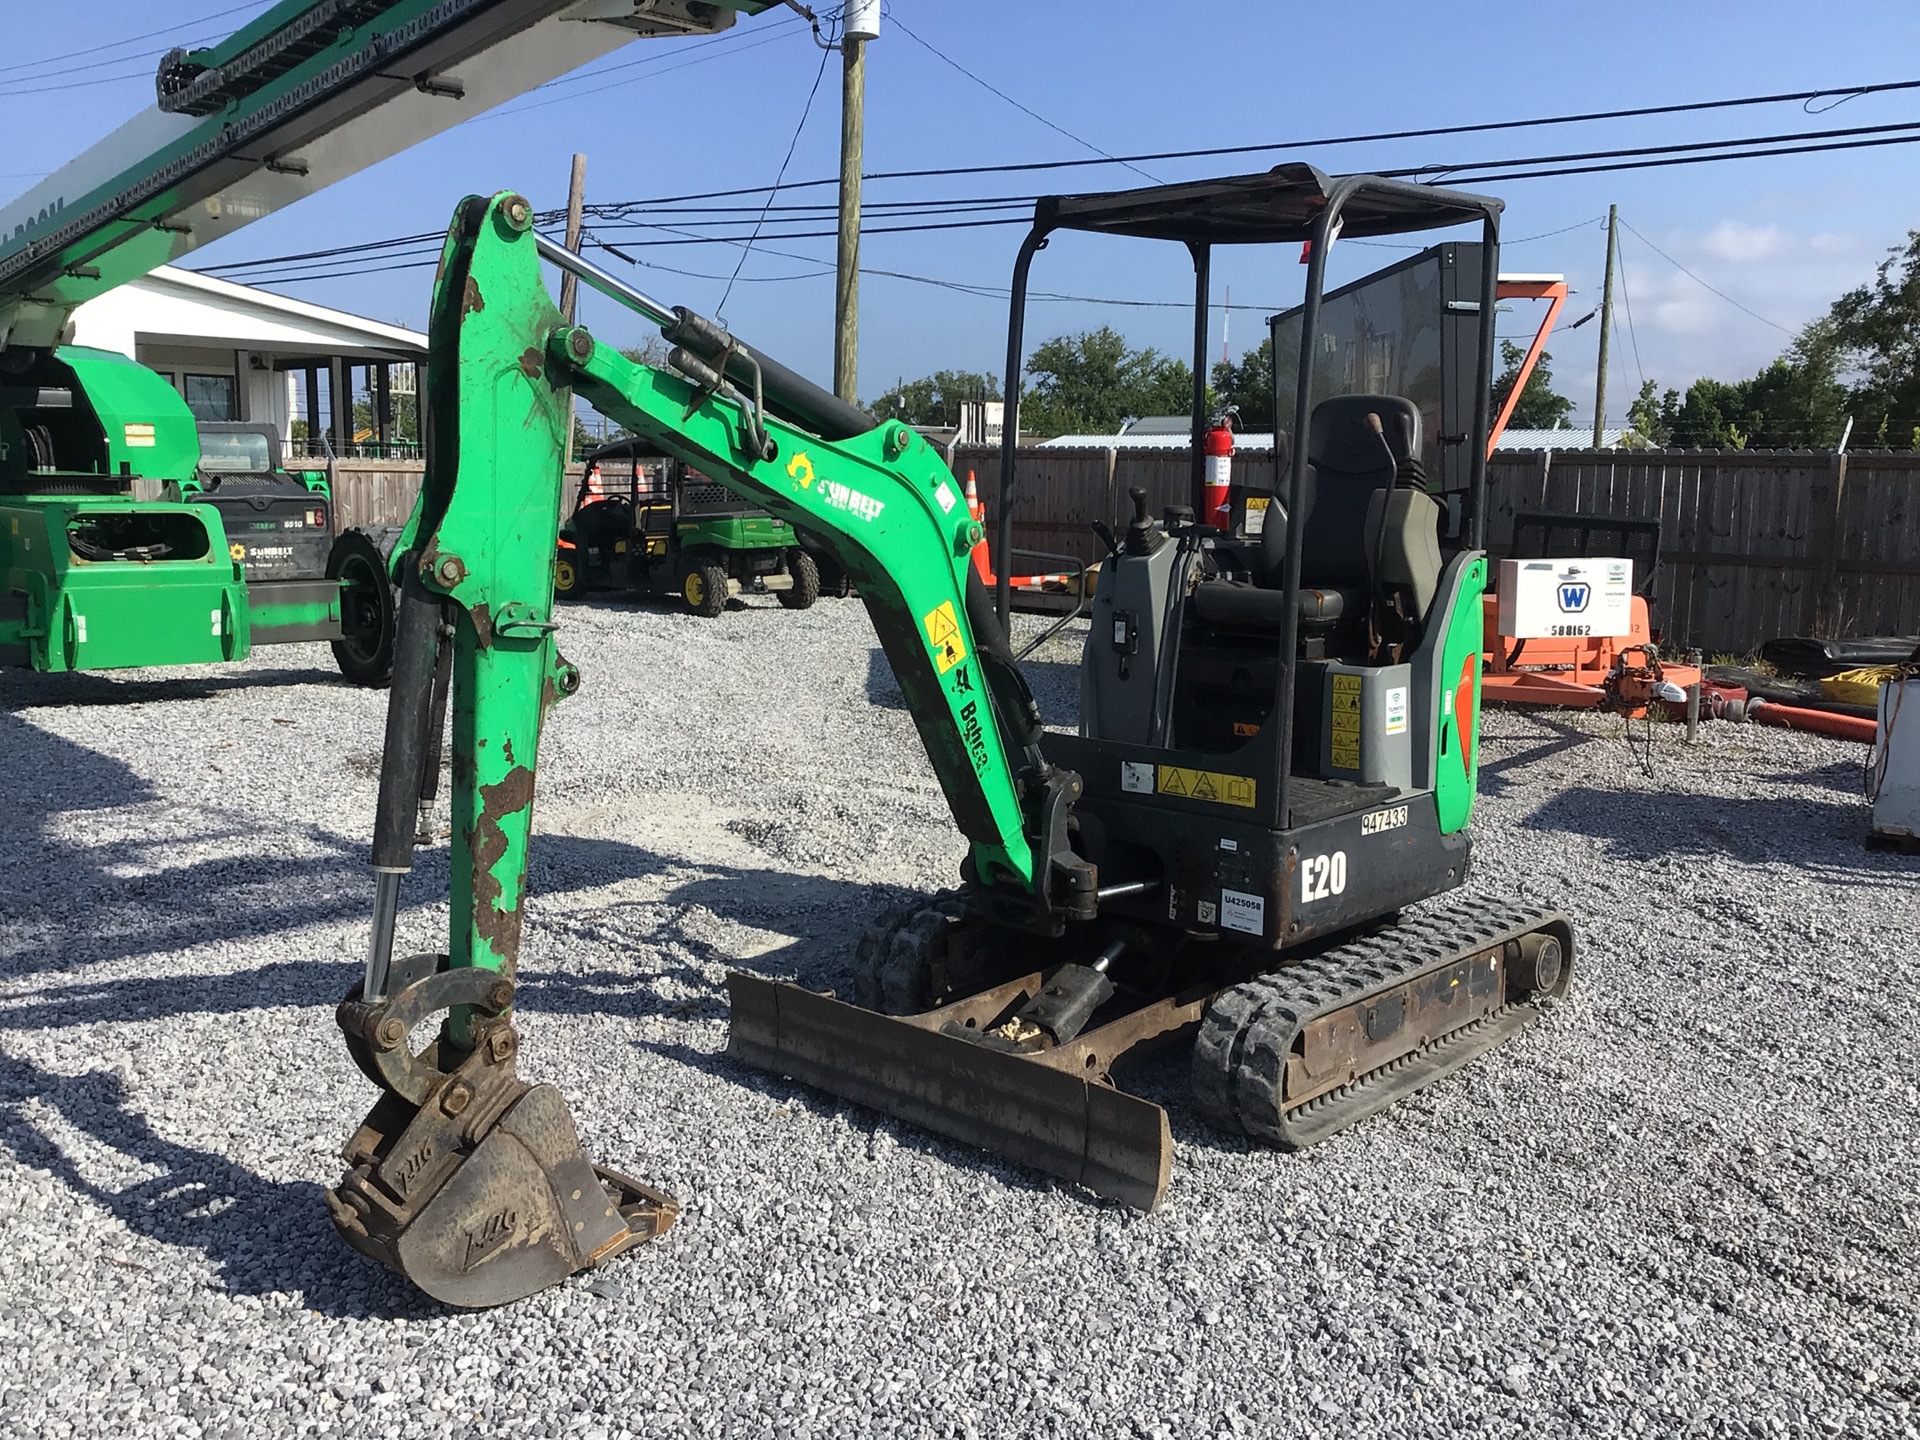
x: 1579, y: 597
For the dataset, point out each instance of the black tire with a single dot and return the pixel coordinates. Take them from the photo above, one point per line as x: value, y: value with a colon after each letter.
x: 364, y: 651
x: 900, y: 962
x: 806, y: 581
x: 703, y: 585
x: 569, y: 574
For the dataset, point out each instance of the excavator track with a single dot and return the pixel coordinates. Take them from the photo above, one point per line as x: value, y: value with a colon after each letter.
x: 1303, y: 1052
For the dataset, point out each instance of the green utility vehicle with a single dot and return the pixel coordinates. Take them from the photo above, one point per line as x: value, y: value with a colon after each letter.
x: 644, y: 521
x: 235, y: 552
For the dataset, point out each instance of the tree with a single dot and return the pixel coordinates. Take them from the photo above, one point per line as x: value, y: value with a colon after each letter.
x: 404, y: 425
x: 934, y: 399
x: 1089, y: 383
x: 1540, y: 407
x: 653, y: 353
x: 1795, y: 401
x: 1248, y: 384
x: 1649, y: 417
x: 605, y: 431
x: 1874, y: 335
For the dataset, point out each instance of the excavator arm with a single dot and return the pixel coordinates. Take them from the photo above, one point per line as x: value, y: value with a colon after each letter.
x: 463, y: 1177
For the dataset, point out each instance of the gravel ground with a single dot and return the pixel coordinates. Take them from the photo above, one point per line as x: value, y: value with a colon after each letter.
x: 1684, y: 1203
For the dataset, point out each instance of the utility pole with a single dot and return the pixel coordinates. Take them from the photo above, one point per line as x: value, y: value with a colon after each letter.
x: 846, y: 284
x: 862, y: 23
x: 1606, y: 327
x: 569, y: 283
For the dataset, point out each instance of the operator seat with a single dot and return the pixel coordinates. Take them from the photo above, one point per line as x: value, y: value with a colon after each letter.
x: 1349, y: 493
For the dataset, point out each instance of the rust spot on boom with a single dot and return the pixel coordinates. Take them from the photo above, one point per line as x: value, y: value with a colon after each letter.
x: 497, y: 924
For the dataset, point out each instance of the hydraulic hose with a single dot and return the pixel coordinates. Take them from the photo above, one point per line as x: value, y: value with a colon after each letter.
x: 410, y: 712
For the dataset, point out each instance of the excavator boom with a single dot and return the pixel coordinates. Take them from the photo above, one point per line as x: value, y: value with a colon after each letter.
x: 463, y: 1177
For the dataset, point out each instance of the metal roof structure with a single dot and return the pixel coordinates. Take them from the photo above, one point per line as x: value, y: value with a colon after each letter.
x: 171, y: 305
x: 1154, y: 440
x: 1273, y: 207
x: 1564, y: 438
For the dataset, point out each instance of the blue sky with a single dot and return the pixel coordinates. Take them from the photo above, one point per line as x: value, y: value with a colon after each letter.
x: 1782, y: 237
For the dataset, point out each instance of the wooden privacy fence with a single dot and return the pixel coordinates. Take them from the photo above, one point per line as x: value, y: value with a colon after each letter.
x: 1754, y: 544
x: 374, y: 492
x: 381, y: 492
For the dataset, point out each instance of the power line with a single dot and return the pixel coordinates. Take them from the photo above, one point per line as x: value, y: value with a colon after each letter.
x: 1698, y: 281
x: 805, y: 110
x: 1691, y: 155
x: 144, y: 63
x: 144, y: 72
x: 1626, y: 300
x: 733, y: 47
x: 132, y: 39
x: 942, y: 55
x: 1488, y: 171
x: 1766, y: 153
x: 1357, y: 139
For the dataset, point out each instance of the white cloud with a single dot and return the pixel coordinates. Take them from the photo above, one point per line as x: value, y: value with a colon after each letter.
x: 1684, y: 330
x: 1741, y: 244
x: 1836, y: 242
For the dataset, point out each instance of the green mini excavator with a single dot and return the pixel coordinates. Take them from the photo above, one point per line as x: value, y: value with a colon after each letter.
x: 1274, y: 772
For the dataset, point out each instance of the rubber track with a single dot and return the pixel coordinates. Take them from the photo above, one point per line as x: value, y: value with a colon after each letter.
x: 1239, y: 1061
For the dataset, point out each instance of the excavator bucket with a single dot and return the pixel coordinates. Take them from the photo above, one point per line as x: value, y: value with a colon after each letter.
x: 1053, y: 1111
x: 467, y: 1180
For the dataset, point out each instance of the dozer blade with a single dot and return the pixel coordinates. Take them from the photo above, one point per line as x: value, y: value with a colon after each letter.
x: 1033, y: 1110
x: 469, y: 1181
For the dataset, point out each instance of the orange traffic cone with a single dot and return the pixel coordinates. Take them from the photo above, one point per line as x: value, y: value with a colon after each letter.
x: 978, y: 512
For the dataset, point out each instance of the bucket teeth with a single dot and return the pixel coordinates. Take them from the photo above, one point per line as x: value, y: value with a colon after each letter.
x: 515, y: 1210
x: 470, y: 1182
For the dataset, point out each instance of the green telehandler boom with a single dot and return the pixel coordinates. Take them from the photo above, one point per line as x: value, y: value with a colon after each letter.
x: 96, y: 571
x: 1277, y: 754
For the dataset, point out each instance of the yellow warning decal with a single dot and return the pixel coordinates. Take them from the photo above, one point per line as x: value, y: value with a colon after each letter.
x: 800, y: 470
x: 1205, y: 785
x: 943, y: 633
x: 1344, y: 737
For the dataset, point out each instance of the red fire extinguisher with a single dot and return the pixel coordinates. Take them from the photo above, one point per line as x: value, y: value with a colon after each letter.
x: 1218, y: 447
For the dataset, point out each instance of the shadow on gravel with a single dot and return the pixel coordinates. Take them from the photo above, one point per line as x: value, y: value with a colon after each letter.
x: 1055, y: 685
x: 1521, y: 738
x: 23, y: 692
x: 1845, y: 777
x: 70, y: 905
x: 882, y: 689
x: 631, y: 602
x: 264, y: 1237
x: 1820, y: 837
x: 96, y: 916
x: 822, y: 914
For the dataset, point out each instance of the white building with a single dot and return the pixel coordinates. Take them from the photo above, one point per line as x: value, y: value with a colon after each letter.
x: 237, y: 353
